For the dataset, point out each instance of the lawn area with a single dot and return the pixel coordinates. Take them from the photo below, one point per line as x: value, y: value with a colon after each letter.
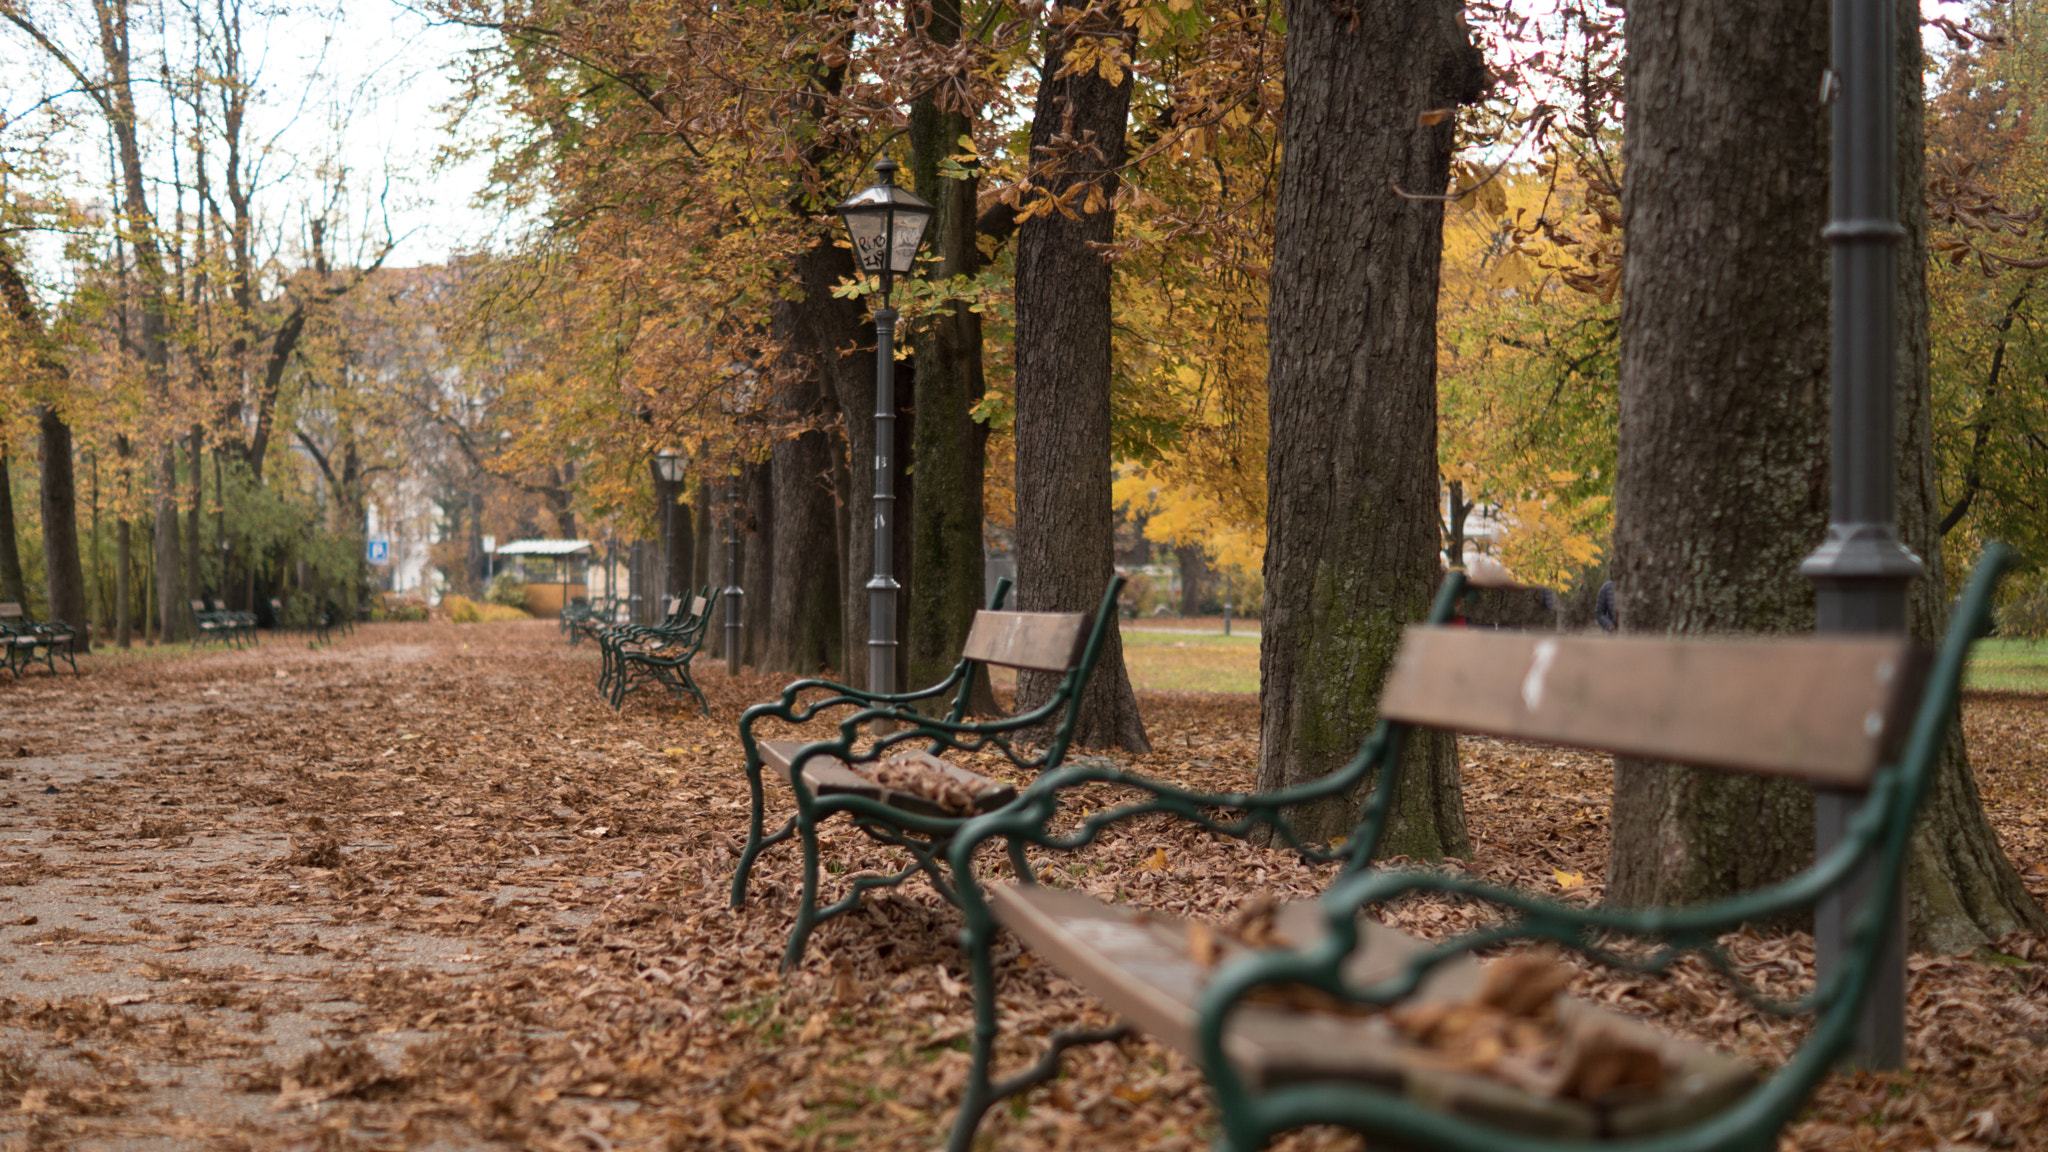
x: 1186, y: 661
x: 1163, y: 661
x: 2009, y: 666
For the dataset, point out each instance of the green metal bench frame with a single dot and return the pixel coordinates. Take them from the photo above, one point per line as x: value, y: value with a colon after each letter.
x: 631, y: 654
x: 35, y: 641
x: 610, y: 637
x: 662, y: 656
x: 896, y: 820
x: 1871, y: 855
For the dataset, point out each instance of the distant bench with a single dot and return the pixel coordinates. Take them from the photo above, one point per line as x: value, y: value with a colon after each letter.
x: 35, y: 641
x: 1323, y: 1016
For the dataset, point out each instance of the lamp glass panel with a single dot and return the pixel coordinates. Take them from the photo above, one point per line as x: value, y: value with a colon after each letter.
x: 869, y: 232
x: 910, y: 224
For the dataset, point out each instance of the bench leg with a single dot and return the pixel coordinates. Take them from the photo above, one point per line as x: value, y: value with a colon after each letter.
x: 807, y: 903
x: 756, y: 810
x: 981, y: 1094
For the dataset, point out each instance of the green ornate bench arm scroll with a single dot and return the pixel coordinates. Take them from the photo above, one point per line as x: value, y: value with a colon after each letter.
x: 913, y: 800
x: 1879, y: 832
x: 1027, y: 820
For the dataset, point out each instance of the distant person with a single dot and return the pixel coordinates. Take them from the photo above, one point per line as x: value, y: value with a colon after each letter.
x: 1603, y: 608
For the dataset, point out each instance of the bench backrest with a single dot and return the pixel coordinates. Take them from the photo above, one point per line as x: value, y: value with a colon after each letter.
x: 10, y: 611
x: 1829, y: 710
x: 1040, y: 641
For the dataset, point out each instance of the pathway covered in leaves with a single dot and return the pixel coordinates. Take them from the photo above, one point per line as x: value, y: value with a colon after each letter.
x: 422, y: 889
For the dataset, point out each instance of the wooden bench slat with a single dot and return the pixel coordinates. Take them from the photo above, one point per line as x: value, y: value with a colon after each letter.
x: 1138, y: 964
x: 831, y: 776
x: 1826, y: 710
x: 1041, y: 641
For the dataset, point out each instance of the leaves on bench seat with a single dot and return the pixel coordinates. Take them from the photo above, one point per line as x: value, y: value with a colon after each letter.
x: 913, y: 773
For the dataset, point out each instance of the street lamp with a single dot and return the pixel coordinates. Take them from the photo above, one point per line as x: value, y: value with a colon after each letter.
x: 1862, y: 572
x: 670, y: 465
x: 886, y: 224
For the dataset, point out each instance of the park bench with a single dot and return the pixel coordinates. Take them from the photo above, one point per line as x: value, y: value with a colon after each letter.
x: 29, y: 641
x: 241, y: 625
x: 575, y: 614
x: 659, y: 655
x: 213, y: 625
x: 892, y: 781
x: 1319, y: 1015
x: 315, y: 619
x: 611, y: 638
x: 597, y: 616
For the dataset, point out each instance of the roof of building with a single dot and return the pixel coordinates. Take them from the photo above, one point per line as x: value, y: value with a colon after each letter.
x: 544, y: 548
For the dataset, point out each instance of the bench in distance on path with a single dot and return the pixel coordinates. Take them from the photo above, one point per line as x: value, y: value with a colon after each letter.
x: 661, y: 654
x: 1317, y: 1014
x: 32, y: 641
x: 893, y: 783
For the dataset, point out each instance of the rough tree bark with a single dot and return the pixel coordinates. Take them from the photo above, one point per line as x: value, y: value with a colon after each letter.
x: 1196, y: 576
x: 1065, y: 522
x: 951, y: 446
x: 803, y: 625
x: 835, y: 342
x: 13, y: 588
x: 1722, y: 487
x: 757, y: 523
x: 64, y: 575
x: 1352, y: 530
x: 62, y: 569
x: 1962, y: 891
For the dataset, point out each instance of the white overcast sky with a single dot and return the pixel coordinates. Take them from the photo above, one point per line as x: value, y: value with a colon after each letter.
x: 359, y: 84
x: 364, y: 82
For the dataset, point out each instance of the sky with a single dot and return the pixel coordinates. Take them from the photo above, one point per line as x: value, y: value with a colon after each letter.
x: 358, y: 86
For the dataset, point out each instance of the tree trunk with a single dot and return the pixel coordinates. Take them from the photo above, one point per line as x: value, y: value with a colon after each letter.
x: 124, y: 555
x: 1351, y: 476
x: 1722, y: 487
x: 831, y: 341
x: 1065, y: 523
x: 702, y: 572
x: 1195, y: 578
x: 13, y: 587
x: 61, y: 564
x: 758, y: 562
x: 805, y: 593
x: 1962, y: 891
x: 947, y: 580
x: 196, y: 470
x: 64, y: 575
x: 173, y: 614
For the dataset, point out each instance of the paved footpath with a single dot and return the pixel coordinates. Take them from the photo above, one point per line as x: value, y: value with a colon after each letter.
x: 240, y: 884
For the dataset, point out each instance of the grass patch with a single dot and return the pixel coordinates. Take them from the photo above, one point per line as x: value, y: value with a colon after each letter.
x: 1191, y: 662
x: 2008, y: 666
x: 1164, y: 661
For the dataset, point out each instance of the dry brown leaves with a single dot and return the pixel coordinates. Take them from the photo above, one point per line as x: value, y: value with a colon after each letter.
x: 470, y: 855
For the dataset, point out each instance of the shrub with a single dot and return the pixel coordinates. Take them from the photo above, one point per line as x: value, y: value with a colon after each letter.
x: 463, y: 610
x: 508, y: 590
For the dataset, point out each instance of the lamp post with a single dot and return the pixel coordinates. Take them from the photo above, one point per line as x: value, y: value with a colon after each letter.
x: 670, y: 465
x: 1861, y: 572
x: 886, y: 225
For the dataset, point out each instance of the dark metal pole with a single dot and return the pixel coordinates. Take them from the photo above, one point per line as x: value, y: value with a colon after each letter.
x: 882, y: 589
x: 1861, y: 572
x: 732, y: 575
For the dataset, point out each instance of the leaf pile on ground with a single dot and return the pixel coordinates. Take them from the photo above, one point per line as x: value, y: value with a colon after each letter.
x: 463, y: 785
